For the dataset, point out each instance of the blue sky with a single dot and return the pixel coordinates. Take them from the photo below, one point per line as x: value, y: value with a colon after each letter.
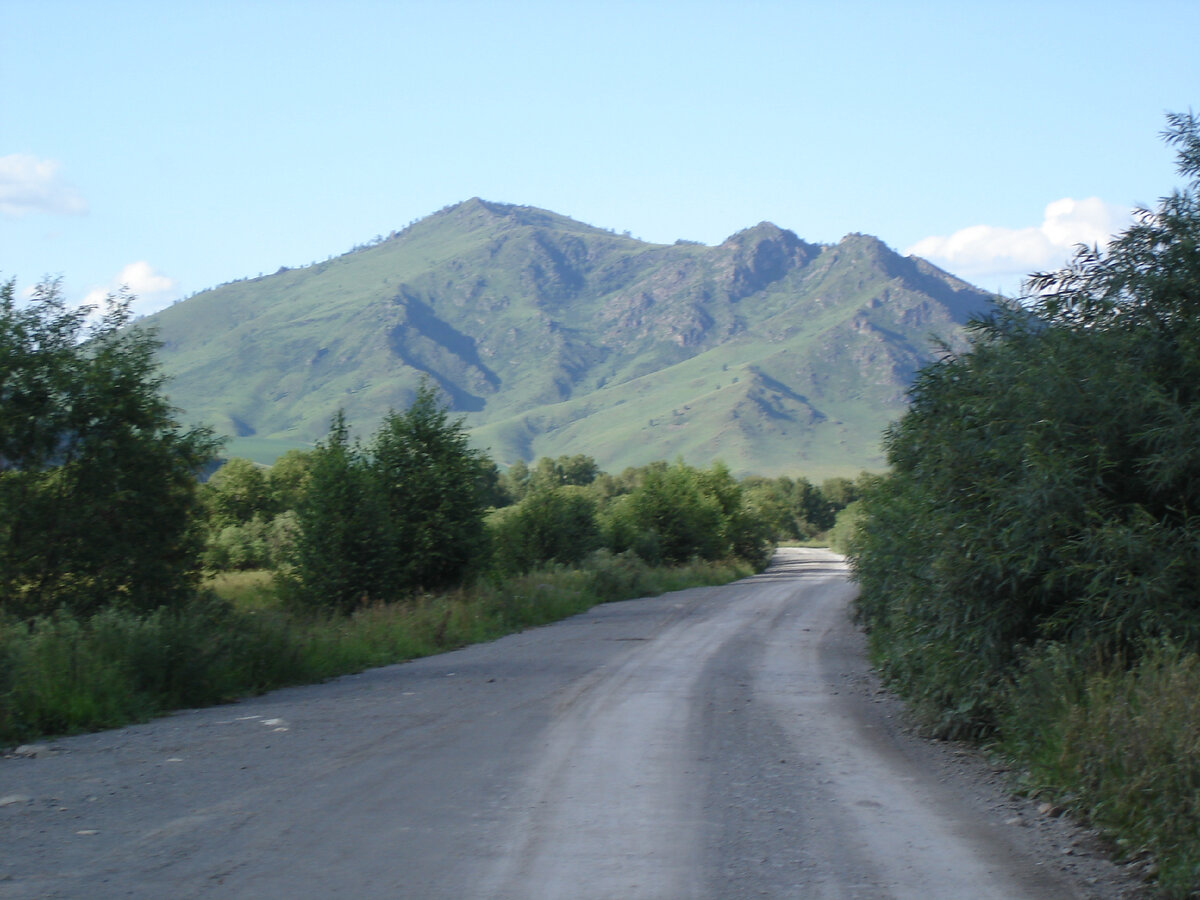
x: 173, y: 147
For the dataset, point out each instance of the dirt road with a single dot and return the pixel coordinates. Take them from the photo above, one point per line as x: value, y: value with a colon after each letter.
x: 714, y: 743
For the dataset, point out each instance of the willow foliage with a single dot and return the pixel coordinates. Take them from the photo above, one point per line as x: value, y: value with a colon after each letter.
x: 1045, y: 483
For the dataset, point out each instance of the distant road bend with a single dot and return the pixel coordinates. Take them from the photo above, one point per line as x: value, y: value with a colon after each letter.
x: 712, y: 743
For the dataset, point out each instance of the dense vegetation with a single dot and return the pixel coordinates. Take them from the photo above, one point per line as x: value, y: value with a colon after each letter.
x: 128, y: 587
x: 1030, y: 568
x: 355, y: 534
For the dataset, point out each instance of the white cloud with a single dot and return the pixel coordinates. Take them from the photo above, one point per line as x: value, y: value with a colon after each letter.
x: 152, y: 290
x: 1001, y: 258
x: 29, y: 184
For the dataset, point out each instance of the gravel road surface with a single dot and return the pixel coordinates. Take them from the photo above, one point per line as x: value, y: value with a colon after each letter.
x: 712, y: 743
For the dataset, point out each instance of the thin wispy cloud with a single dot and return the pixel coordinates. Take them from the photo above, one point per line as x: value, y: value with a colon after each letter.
x: 152, y: 290
x: 1001, y: 258
x: 29, y: 184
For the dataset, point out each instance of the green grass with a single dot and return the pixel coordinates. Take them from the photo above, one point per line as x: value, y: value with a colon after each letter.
x: 245, y: 590
x: 62, y: 675
x: 702, y: 409
x: 1119, y: 746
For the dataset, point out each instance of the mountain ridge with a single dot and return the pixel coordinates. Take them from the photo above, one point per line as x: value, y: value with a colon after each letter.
x: 553, y: 336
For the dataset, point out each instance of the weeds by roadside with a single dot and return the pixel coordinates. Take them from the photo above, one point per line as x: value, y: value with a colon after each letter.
x: 1121, y: 746
x: 63, y: 674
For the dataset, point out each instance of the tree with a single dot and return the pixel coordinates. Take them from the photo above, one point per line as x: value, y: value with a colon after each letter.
x: 433, y: 487
x: 251, y: 511
x: 743, y: 532
x: 771, y: 502
x: 339, y: 555
x: 549, y: 473
x: 677, y: 512
x: 236, y: 493
x: 403, y: 512
x: 839, y: 493
x: 514, y: 482
x: 812, y: 511
x: 98, y: 496
x: 519, y: 479
x: 791, y: 509
x: 288, y: 479
x: 1045, y: 483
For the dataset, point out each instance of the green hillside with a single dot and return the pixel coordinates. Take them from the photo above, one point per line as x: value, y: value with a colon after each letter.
x: 551, y: 336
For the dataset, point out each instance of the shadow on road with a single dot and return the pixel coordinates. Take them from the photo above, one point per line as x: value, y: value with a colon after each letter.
x: 789, y: 565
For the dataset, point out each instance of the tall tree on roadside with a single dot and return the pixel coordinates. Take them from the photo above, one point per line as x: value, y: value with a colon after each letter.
x: 433, y: 489
x: 402, y: 512
x: 97, y: 479
x: 339, y: 556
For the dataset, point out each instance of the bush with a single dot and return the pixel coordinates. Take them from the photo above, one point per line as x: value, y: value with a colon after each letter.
x: 617, y: 576
x: 676, y: 512
x: 1043, y: 483
x: 556, y: 525
x: 842, y: 533
x: 61, y: 673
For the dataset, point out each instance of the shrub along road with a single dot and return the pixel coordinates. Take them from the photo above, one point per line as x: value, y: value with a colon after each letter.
x: 716, y: 742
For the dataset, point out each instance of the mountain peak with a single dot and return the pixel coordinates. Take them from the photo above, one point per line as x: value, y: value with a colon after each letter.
x: 477, y: 212
x: 475, y: 209
x: 869, y: 241
x: 763, y: 231
x: 763, y: 254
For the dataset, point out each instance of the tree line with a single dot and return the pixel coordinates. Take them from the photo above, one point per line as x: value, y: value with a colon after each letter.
x: 101, y: 504
x: 415, y: 508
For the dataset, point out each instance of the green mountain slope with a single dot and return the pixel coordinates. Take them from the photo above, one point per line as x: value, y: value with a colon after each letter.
x: 552, y: 336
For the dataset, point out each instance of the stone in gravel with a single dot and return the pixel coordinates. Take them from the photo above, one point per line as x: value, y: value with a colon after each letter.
x: 32, y: 751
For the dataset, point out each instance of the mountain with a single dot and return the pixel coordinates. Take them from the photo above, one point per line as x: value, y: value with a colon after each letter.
x: 551, y: 336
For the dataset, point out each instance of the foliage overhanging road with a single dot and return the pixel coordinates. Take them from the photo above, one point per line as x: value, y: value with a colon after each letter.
x: 718, y: 742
